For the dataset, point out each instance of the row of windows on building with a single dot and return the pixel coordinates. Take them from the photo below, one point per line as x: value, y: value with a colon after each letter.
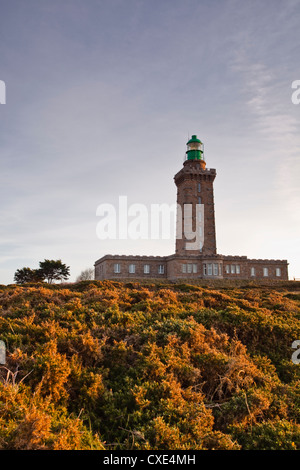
x: 209, y: 269
x: 215, y: 269
x: 232, y: 269
x: 132, y: 267
x: 235, y: 269
x: 266, y: 272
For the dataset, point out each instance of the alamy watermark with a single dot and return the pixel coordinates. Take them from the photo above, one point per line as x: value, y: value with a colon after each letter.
x: 296, y: 94
x: 296, y: 354
x: 159, y: 221
x: 2, y: 352
x: 2, y: 92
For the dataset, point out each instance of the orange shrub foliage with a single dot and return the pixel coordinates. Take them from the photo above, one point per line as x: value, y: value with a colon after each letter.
x: 106, y: 365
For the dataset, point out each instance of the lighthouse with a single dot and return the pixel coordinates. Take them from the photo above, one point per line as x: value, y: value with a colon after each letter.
x: 196, y: 254
x: 195, y: 203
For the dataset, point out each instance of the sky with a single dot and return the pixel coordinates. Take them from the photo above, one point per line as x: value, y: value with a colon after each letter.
x: 101, y: 98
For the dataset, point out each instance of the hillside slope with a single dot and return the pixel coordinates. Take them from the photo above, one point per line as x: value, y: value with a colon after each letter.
x: 106, y: 365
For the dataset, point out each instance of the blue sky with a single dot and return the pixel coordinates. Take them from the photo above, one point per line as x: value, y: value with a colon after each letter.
x: 101, y: 97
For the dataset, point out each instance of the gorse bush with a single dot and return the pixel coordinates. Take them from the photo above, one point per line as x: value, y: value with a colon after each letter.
x: 109, y: 365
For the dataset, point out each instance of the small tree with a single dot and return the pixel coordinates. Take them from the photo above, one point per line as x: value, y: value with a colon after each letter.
x: 24, y: 275
x: 86, y: 275
x: 52, y: 270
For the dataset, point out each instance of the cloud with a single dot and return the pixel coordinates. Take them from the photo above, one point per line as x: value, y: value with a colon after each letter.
x: 274, y: 119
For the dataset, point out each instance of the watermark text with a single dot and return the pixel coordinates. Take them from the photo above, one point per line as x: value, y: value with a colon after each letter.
x: 160, y: 221
x: 296, y: 354
x: 2, y: 352
x: 296, y: 94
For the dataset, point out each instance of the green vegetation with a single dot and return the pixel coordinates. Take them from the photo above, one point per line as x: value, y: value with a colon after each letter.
x: 109, y: 365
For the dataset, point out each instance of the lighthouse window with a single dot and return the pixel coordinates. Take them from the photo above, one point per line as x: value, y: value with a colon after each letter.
x: 199, y: 200
x: 199, y: 187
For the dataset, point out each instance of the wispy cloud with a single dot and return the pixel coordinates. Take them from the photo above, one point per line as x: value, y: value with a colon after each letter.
x: 273, y: 116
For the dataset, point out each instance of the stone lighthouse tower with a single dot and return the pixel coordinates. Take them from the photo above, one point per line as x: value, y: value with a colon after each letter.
x: 196, y: 254
x: 195, y: 204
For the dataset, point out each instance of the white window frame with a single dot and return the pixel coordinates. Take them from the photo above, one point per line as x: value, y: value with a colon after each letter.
x: 220, y: 269
x: 189, y: 268
x: 232, y: 268
x: 278, y: 272
x: 117, y: 268
x: 131, y: 269
x: 227, y: 268
x: 252, y: 272
x: 266, y: 272
x: 215, y: 269
x: 209, y: 269
x: 195, y: 268
x: 204, y: 269
x: 183, y: 267
x: 161, y: 269
x: 237, y: 269
x: 146, y: 268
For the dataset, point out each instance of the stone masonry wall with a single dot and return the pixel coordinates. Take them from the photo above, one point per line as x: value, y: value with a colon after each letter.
x: 191, y: 267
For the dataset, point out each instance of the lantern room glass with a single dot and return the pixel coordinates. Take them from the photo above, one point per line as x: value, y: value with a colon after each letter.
x: 195, y: 146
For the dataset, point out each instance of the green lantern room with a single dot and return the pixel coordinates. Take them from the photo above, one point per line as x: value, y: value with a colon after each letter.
x: 194, y: 149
